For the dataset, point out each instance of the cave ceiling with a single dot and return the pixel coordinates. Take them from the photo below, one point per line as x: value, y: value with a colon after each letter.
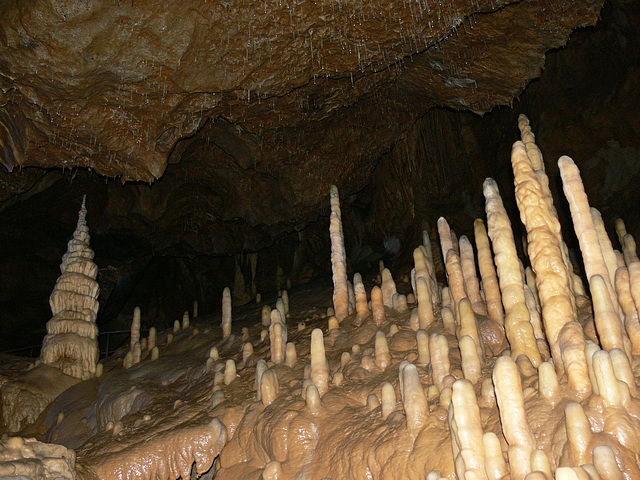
x: 248, y: 111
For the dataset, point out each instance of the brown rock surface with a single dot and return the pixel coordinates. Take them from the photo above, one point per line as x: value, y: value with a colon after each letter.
x: 115, y: 87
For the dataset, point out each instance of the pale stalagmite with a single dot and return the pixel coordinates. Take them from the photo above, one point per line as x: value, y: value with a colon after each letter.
x: 517, y: 324
x: 425, y: 307
x: 631, y: 319
x: 488, y: 273
x: 319, y: 368
x: 455, y: 279
x: 513, y: 417
x: 466, y: 429
x: 226, y: 313
x: 338, y: 258
x: 552, y: 278
x: 362, y: 307
x: 594, y: 262
x: 471, y: 283
x: 71, y: 341
x: 444, y: 232
x: 377, y: 306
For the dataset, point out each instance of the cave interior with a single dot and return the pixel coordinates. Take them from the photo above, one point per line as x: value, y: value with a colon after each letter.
x: 204, y: 140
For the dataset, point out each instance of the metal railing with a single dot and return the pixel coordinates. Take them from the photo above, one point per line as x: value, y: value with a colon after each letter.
x: 109, y: 342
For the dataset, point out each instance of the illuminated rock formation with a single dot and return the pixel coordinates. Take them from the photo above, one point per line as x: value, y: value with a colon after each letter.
x: 71, y: 343
x: 383, y: 394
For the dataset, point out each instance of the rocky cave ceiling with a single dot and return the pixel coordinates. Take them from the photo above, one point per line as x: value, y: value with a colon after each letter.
x: 216, y: 128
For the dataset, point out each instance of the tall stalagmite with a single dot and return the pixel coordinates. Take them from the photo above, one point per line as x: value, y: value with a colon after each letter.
x: 71, y: 342
x: 338, y: 259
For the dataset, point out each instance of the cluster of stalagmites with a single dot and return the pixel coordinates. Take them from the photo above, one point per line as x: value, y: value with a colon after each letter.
x: 71, y: 343
x: 508, y: 371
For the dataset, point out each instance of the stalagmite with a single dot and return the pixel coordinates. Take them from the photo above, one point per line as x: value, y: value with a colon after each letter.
x: 269, y: 387
x: 545, y: 249
x: 608, y: 385
x: 513, y: 417
x: 469, y: 325
x: 362, y: 307
x: 422, y: 339
x: 319, y: 367
x: 153, y: 335
x: 607, y: 321
x: 629, y: 249
x: 634, y: 284
x: 312, y: 397
x: 622, y: 369
x: 488, y: 273
x: 281, y: 308
x: 548, y: 385
x: 572, y: 346
x: 605, y: 245
x: 446, y: 242
x: 425, y: 307
x: 71, y: 341
x: 290, y: 355
x: 448, y: 320
x: 534, y: 313
x: 428, y: 254
x: 261, y: 367
x: 594, y: 262
x: 455, y: 279
x: 631, y: 317
x: 377, y: 306
x: 338, y: 258
x: 333, y: 323
x: 229, y: 372
x: 416, y: 406
x: 135, y: 327
x: 528, y: 140
x: 439, y: 350
x: 388, y: 400
x: 226, y: 313
x: 247, y: 351
x: 517, y: 324
x: 471, y: 365
x: 185, y: 321
x: 471, y: 283
x: 424, y: 269
x: 136, y: 353
x: 494, y: 464
x: 277, y: 337
x: 578, y: 434
x: 446, y: 297
x: 388, y: 288
x: 399, y: 302
x: 466, y: 431
x: 383, y: 358
x: 605, y: 462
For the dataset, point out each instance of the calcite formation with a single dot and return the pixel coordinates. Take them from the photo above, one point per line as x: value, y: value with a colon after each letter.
x: 384, y: 394
x: 71, y: 343
x: 27, y: 458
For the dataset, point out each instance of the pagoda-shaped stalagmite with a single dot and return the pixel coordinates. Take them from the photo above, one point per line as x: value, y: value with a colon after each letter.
x: 71, y: 342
